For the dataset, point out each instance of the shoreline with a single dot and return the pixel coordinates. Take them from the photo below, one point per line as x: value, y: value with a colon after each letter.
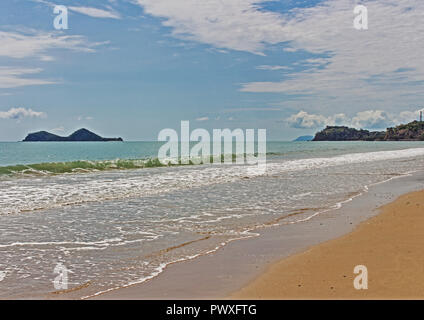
x: 389, y: 245
x: 236, y: 265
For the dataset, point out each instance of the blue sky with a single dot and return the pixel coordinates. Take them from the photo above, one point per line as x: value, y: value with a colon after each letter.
x: 131, y: 68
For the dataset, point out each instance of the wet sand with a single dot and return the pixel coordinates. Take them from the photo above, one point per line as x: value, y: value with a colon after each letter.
x: 390, y: 245
x: 219, y: 275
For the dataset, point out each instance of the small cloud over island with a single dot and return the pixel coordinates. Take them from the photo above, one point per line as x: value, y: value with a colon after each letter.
x: 18, y: 113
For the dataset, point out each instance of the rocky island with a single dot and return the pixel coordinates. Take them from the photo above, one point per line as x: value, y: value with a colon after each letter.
x: 79, y: 135
x: 413, y: 131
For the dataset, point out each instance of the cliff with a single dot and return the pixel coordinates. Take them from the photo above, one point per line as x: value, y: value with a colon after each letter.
x: 413, y: 131
x: 79, y: 135
x: 333, y: 133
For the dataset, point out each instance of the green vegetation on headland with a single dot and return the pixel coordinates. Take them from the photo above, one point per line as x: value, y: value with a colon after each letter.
x: 79, y: 135
x: 413, y: 131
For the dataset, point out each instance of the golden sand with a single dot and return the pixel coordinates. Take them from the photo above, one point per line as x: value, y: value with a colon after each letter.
x: 390, y: 245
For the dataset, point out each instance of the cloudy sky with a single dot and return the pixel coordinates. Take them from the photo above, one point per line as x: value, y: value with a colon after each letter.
x: 131, y: 68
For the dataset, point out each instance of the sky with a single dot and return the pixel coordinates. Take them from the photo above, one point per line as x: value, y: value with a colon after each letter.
x: 131, y: 68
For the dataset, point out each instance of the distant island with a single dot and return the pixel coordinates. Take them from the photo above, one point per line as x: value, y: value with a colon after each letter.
x: 79, y: 135
x: 304, y: 138
x: 413, y: 131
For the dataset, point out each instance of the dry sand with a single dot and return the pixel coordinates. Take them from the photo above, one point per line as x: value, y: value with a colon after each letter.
x: 390, y: 245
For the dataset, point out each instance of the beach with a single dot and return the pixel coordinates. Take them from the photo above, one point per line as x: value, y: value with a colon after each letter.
x: 186, y: 232
x: 390, y: 245
x: 211, y: 150
x: 274, y: 264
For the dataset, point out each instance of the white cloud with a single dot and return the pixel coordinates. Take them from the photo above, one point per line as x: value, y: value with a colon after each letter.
x: 23, y: 44
x: 81, y: 118
x: 89, y: 11
x: 18, y: 113
x: 12, y: 77
x: 231, y: 24
x: 251, y: 109
x: 370, y: 119
x: 381, y: 66
x: 272, y: 68
x: 316, y: 61
x: 290, y: 49
x: 58, y: 130
x: 339, y: 119
x: 407, y: 116
x: 36, y: 44
x: 305, y: 120
x: 96, y: 13
x: 202, y: 119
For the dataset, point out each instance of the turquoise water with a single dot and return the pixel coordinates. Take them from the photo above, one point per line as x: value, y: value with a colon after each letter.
x: 12, y: 153
x: 24, y: 153
x: 113, y: 228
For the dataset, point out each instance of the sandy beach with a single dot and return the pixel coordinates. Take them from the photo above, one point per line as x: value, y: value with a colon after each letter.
x: 390, y: 245
x: 274, y: 264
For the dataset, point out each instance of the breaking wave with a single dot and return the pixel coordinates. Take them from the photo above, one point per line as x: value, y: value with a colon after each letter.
x: 78, y: 166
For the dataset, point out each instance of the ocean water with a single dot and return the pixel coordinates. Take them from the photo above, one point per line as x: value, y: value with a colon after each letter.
x: 112, y: 220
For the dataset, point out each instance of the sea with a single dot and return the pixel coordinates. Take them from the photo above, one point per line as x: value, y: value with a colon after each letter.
x: 112, y: 216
